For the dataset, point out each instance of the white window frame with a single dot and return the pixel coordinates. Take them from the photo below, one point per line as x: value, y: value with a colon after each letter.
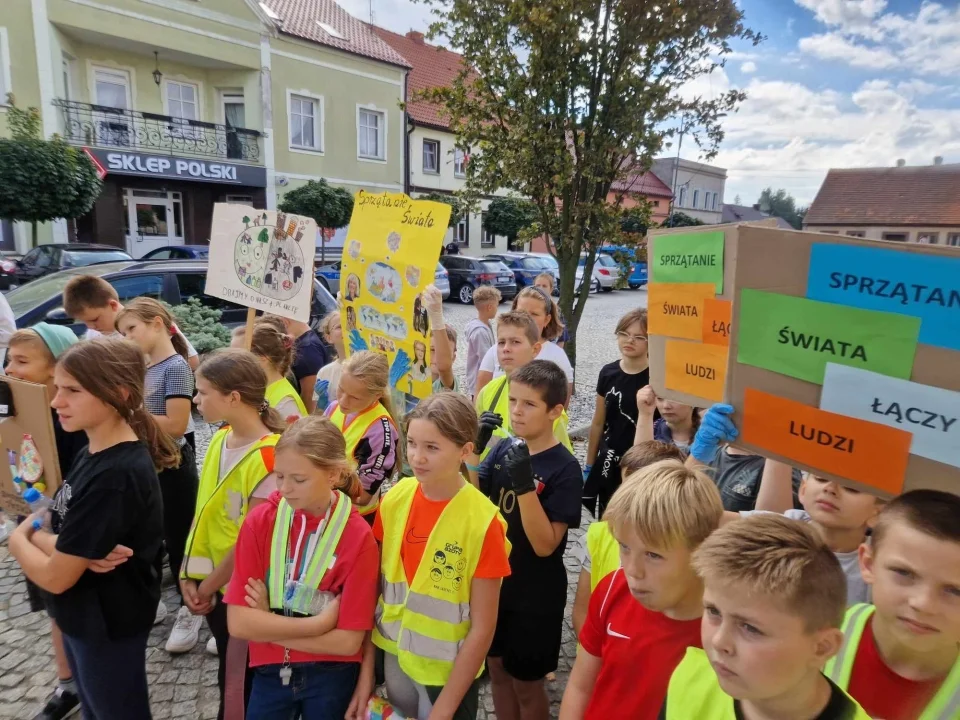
x: 318, y: 122
x: 465, y: 224
x: 111, y: 137
x: 928, y: 238
x: 436, y: 156
x: 183, y: 128
x: 382, y: 134
x: 6, y: 81
x: 696, y: 197
x: 459, y: 161
x: 953, y: 239
x: 681, y: 196
x: 487, y: 238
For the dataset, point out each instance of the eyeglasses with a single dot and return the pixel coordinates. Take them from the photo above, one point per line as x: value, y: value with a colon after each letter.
x: 631, y: 338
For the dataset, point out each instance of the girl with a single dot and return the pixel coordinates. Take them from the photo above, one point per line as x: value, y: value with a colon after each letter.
x: 546, y: 282
x: 110, y: 497
x: 443, y: 554
x: 351, y: 319
x: 168, y: 396
x: 231, y: 386
x: 615, y: 411
x: 274, y: 349
x: 542, y: 309
x: 305, y: 617
x: 328, y: 378
x: 362, y: 413
x: 677, y: 424
x: 420, y: 370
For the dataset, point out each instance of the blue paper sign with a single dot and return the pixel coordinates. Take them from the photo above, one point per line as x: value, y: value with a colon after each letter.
x: 924, y: 286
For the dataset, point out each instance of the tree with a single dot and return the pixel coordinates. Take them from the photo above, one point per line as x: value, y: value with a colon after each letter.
x: 559, y: 98
x: 681, y: 219
x: 509, y: 217
x: 42, y: 180
x: 782, y: 205
x: 456, y: 206
x: 736, y: 200
x: 331, y: 207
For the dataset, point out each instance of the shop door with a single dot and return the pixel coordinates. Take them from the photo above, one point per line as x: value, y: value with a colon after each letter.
x: 153, y: 219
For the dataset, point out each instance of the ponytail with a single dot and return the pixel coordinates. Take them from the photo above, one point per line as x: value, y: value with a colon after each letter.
x: 145, y: 310
x: 163, y: 449
x: 317, y: 439
x: 372, y: 370
x: 180, y: 343
x: 232, y: 370
x: 271, y: 418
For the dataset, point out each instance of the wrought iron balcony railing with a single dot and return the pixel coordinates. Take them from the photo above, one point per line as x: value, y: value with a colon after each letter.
x: 102, y: 126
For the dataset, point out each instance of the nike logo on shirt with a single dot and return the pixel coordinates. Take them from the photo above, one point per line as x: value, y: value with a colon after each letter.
x: 414, y: 539
x: 614, y: 633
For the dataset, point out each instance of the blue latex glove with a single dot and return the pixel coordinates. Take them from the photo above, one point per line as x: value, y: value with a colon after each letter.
x: 586, y: 471
x: 357, y: 343
x: 716, y: 428
x: 401, y: 366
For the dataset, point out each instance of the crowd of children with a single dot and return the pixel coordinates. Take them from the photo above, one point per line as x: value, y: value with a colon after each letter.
x: 714, y: 584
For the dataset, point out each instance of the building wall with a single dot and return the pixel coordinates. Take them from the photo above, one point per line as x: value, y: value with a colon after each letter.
x: 659, y: 210
x: 931, y: 235
x: 693, y: 177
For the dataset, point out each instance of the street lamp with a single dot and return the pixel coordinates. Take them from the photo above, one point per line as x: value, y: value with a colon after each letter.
x: 157, y: 75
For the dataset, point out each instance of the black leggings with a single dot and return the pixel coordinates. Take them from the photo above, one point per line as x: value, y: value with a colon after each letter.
x: 178, y: 486
x: 217, y: 621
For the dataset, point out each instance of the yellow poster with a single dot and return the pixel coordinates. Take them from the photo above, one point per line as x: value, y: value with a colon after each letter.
x: 389, y: 257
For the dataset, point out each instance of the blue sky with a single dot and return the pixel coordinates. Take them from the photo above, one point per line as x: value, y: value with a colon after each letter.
x: 837, y: 83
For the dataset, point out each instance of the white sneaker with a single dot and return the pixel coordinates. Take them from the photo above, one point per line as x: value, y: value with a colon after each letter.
x: 185, y: 633
x: 212, y: 645
x: 161, y: 613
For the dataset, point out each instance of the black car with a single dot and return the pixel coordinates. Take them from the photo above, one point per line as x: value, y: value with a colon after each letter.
x: 469, y: 273
x: 174, y: 281
x: 525, y: 267
x: 48, y: 259
x: 179, y: 252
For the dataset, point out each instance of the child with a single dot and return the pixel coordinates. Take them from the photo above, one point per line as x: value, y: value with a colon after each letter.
x: 230, y: 389
x: 546, y: 282
x: 643, y: 616
x: 479, y: 334
x: 363, y: 414
x: 168, y: 397
x: 542, y: 309
x: 443, y: 554
x: 443, y: 342
x: 598, y: 550
x: 310, y: 619
x: 773, y: 600
x: 328, y: 378
x: 309, y: 355
x: 677, y: 424
x: 517, y: 345
x: 110, y: 497
x: 537, y: 487
x: 900, y: 658
x: 615, y: 413
x: 274, y: 349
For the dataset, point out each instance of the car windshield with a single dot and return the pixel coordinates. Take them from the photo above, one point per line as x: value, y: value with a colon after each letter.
x: 550, y: 261
x: 33, y: 293
x: 494, y: 266
x: 535, y: 263
x: 82, y: 258
x: 606, y: 261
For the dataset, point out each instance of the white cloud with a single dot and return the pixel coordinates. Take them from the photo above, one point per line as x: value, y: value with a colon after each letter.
x: 833, y: 46
x: 846, y: 14
x: 748, y: 67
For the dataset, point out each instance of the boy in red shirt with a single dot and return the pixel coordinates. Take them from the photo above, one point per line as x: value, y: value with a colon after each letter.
x: 644, y: 616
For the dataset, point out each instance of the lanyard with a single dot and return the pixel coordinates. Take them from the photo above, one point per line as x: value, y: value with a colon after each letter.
x: 292, y: 575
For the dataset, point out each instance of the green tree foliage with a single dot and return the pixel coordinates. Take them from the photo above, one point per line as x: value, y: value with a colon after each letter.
x: 42, y: 180
x: 681, y: 219
x: 457, y: 208
x: 559, y: 98
x: 781, y: 204
x: 509, y: 217
x: 329, y: 206
x: 201, y: 325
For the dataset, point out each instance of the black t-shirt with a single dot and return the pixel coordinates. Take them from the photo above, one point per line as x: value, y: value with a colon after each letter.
x: 738, y: 479
x: 110, y: 498
x: 619, y: 392
x: 309, y: 355
x: 535, y: 581
x: 69, y: 445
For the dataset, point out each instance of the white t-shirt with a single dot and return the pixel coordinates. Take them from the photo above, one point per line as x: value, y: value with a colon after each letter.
x: 549, y: 351
x: 94, y: 334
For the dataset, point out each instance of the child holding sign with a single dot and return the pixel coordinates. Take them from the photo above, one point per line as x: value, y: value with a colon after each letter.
x: 676, y: 425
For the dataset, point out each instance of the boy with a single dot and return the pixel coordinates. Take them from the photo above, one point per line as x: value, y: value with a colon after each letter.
x: 478, y: 332
x: 773, y: 600
x: 900, y: 657
x: 536, y: 486
x: 643, y: 616
x: 518, y: 343
x: 598, y: 551
x: 94, y: 302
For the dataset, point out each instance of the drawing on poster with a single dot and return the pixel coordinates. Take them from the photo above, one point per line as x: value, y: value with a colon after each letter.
x: 383, y: 282
x: 353, y: 288
x: 271, y: 263
x: 388, y: 323
x: 420, y: 370
x: 421, y: 321
x: 413, y: 276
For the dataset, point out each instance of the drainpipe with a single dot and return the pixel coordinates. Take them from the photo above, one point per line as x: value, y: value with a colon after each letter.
x: 411, y: 126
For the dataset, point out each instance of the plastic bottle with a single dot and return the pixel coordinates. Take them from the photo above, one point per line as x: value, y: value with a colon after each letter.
x: 39, y: 503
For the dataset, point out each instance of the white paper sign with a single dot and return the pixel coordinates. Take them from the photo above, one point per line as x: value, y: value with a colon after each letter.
x: 932, y: 414
x: 262, y: 259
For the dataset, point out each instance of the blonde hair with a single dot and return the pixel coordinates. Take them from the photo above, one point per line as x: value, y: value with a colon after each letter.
x: 273, y: 344
x: 451, y: 413
x: 233, y: 370
x: 372, y: 370
x: 326, y: 325
x: 146, y: 310
x: 553, y: 327
x: 634, y: 316
x: 646, y: 453
x: 486, y: 294
x: 785, y: 559
x: 667, y: 504
x: 317, y: 439
x: 549, y: 278
x: 32, y: 338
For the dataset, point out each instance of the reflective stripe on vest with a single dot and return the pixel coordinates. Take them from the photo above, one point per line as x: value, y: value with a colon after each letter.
x: 489, y: 400
x: 945, y: 704
x: 604, y: 552
x: 353, y: 433
x: 316, y: 565
x: 280, y: 390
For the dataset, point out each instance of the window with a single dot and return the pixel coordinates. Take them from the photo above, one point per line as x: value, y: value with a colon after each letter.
x: 656, y: 203
x: 928, y: 238
x: 431, y: 156
x: 461, y: 232
x: 192, y: 285
x: 239, y: 199
x: 129, y: 288
x: 164, y: 254
x: 682, y: 197
x: 713, y: 202
x: 305, y: 123
x: 459, y: 163
x: 182, y: 100
x: 696, y: 198
x: 487, y: 238
x: 5, y: 82
x: 897, y: 237
x: 953, y: 239
x: 112, y: 92
x: 855, y: 233
x: 370, y: 139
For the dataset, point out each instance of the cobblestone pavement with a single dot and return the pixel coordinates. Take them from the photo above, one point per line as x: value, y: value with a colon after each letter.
x: 185, y: 686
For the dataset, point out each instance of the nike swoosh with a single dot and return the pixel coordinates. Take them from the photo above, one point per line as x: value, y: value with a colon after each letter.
x: 414, y: 540
x: 614, y: 633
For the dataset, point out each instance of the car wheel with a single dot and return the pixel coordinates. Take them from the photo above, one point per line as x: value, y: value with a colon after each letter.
x: 466, y: 293
x: 595, y: 286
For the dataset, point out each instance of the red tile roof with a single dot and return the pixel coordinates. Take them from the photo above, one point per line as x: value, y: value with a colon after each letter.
x: 927, y: 195
x: 300, y: 18
x: 645, y: 183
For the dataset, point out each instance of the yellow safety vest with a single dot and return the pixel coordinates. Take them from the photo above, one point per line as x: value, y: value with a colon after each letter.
x: 281, y: 389
x: 425, y: 624
x: 495, y: 398
x: 353, y: 433
x: 222, y: 503
x: 604, y: 552
x: 945, y: 704
x: 695, y: 692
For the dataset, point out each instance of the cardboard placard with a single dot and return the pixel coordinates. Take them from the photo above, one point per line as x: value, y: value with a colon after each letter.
x: 717, y: 322
x: 33, y: 417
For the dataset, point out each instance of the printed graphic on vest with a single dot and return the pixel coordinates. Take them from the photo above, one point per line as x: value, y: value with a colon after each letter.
x: 448, y: 567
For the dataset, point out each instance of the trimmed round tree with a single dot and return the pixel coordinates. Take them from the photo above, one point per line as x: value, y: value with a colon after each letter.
x: 330, y: 206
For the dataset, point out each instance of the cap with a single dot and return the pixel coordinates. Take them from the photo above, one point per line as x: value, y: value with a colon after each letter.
x: 56, y: 337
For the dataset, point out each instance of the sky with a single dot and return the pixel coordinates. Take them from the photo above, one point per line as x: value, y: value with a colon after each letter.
x: 836, y: 83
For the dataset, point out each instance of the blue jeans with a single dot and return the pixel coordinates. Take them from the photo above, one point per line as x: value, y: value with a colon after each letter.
x: 111, y: 677
x: 318, y: 691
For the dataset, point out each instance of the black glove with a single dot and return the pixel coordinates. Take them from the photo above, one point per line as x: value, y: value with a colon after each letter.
x: 519, y: 469
x: 489, y: 421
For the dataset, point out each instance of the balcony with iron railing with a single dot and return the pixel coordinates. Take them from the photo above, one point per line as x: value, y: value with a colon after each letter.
x: 102, y: 126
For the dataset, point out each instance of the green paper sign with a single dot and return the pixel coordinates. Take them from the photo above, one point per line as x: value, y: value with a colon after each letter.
x: 689, y: 258
x: 798, y: 337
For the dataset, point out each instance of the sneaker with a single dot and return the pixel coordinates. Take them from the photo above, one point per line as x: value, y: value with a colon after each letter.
x: 61, y: 704
x: 212, y: 646
x: 185, y: 633
x: 161, y: 613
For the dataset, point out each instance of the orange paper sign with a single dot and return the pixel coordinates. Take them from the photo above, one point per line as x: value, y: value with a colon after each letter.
x: 716, y: 321
x: 866, y: 452
x: 696, y: 369
x: 676, y: 309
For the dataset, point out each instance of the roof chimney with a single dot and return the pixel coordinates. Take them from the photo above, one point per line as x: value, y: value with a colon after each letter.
x: 901, y: 162
x: 417, y: 37
x: 938, y: 160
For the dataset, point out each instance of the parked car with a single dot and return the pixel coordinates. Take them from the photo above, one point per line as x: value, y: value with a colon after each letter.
x: 578, y: 279
x: 179, y: 252
x: 468, y: 273
x: 47, y: 259
x: 8, y: 271
x: 525, y: 266
x: 329, y: 276
x: 441, y: 278
x: 637, y: 276
x: 606, y: 271
x: 174, y: 281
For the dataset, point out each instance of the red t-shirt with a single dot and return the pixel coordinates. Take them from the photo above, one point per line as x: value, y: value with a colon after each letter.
x: 639, y: 648
x: 880, y: 691
x: 353, y: 576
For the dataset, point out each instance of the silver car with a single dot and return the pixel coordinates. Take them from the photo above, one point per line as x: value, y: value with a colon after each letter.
x: 441, y: 278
